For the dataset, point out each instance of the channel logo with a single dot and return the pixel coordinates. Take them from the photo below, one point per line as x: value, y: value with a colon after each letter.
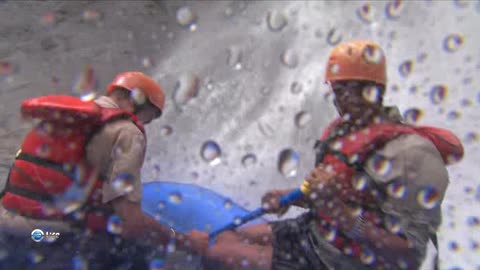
x: 37, y: 235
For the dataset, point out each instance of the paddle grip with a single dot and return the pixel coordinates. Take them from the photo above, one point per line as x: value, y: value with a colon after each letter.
x: 284, y: 201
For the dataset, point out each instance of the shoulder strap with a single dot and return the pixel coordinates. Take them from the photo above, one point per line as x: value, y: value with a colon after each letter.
x: 433, y: 237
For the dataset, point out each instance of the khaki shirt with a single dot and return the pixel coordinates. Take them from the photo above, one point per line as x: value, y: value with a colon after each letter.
x: 415, y: 159
x: 118, y: 148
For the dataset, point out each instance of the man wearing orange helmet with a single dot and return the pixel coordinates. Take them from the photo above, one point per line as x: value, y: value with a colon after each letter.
x: 374, y: 196
x: 94, y: 151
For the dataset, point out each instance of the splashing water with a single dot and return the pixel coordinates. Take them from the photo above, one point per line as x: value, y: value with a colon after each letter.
x: 288, y: 162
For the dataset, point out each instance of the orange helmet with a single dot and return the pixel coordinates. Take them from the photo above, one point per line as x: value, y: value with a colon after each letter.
x: 357, y: 60
x: 132, y: 80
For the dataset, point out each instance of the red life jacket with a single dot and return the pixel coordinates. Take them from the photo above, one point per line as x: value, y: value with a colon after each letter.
x: 346, y: 154
x: 52, y: 157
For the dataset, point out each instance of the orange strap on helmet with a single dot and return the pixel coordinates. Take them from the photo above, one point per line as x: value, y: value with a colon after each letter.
x: 357, y: 60
x: 132, y: 80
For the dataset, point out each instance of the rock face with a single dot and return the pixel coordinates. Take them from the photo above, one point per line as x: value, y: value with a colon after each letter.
x: 248, y: 77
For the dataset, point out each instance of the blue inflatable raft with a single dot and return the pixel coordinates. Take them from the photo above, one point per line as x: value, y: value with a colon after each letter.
x: 185, y: 207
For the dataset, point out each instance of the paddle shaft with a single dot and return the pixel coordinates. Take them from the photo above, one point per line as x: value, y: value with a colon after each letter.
x: 284, y: 201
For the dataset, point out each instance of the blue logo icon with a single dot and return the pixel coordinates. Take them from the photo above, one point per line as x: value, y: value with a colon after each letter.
x: 37, y: 235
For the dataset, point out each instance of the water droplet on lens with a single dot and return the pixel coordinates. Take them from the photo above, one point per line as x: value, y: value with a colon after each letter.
x: 186, y: 17
x: 296, y: 88
x: 473, y: 221
x: 453, y: 115
x: 266, y: 129
x: 365, y: 13
x: 371, y: 93
x: 48, y: 19
x: 372, y: 54
x: 394, y: 9
x: 393, y: 224
x: 161, y: 205
x: 406, y: 68
x: 3, y: 254
x: 396, y: 189
x: 428, y: 197
x: 211, y: 152
x: 249, y: 160
x: 334, y: 68
x: 166, y: 131
x: 359, y: 181
x: 228, y: 204
x: 289, y: 58
x: 462, y: 3
x: 79, y: 263
x: 147, y: 62
x: 471, y: 137
x: 91, y: 15
x: 288, y: 162
x: 138, y: 96
x: 453, y: 246
x: 302, y: 119
x: 186, y: 88
x: 35, y: 257
x: 333, y: 38
x: 331, y: 234
x: 276, y: 21
x: 156, y: 264
x: 412, y: 115
x: 43, y: 150
x: 114, y: 225
x: 175, y: 198
x: 237, y: 221
x: 438, y: 93
x: 123, y: 183
x: 367, y: 256
x: 453, y: 42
